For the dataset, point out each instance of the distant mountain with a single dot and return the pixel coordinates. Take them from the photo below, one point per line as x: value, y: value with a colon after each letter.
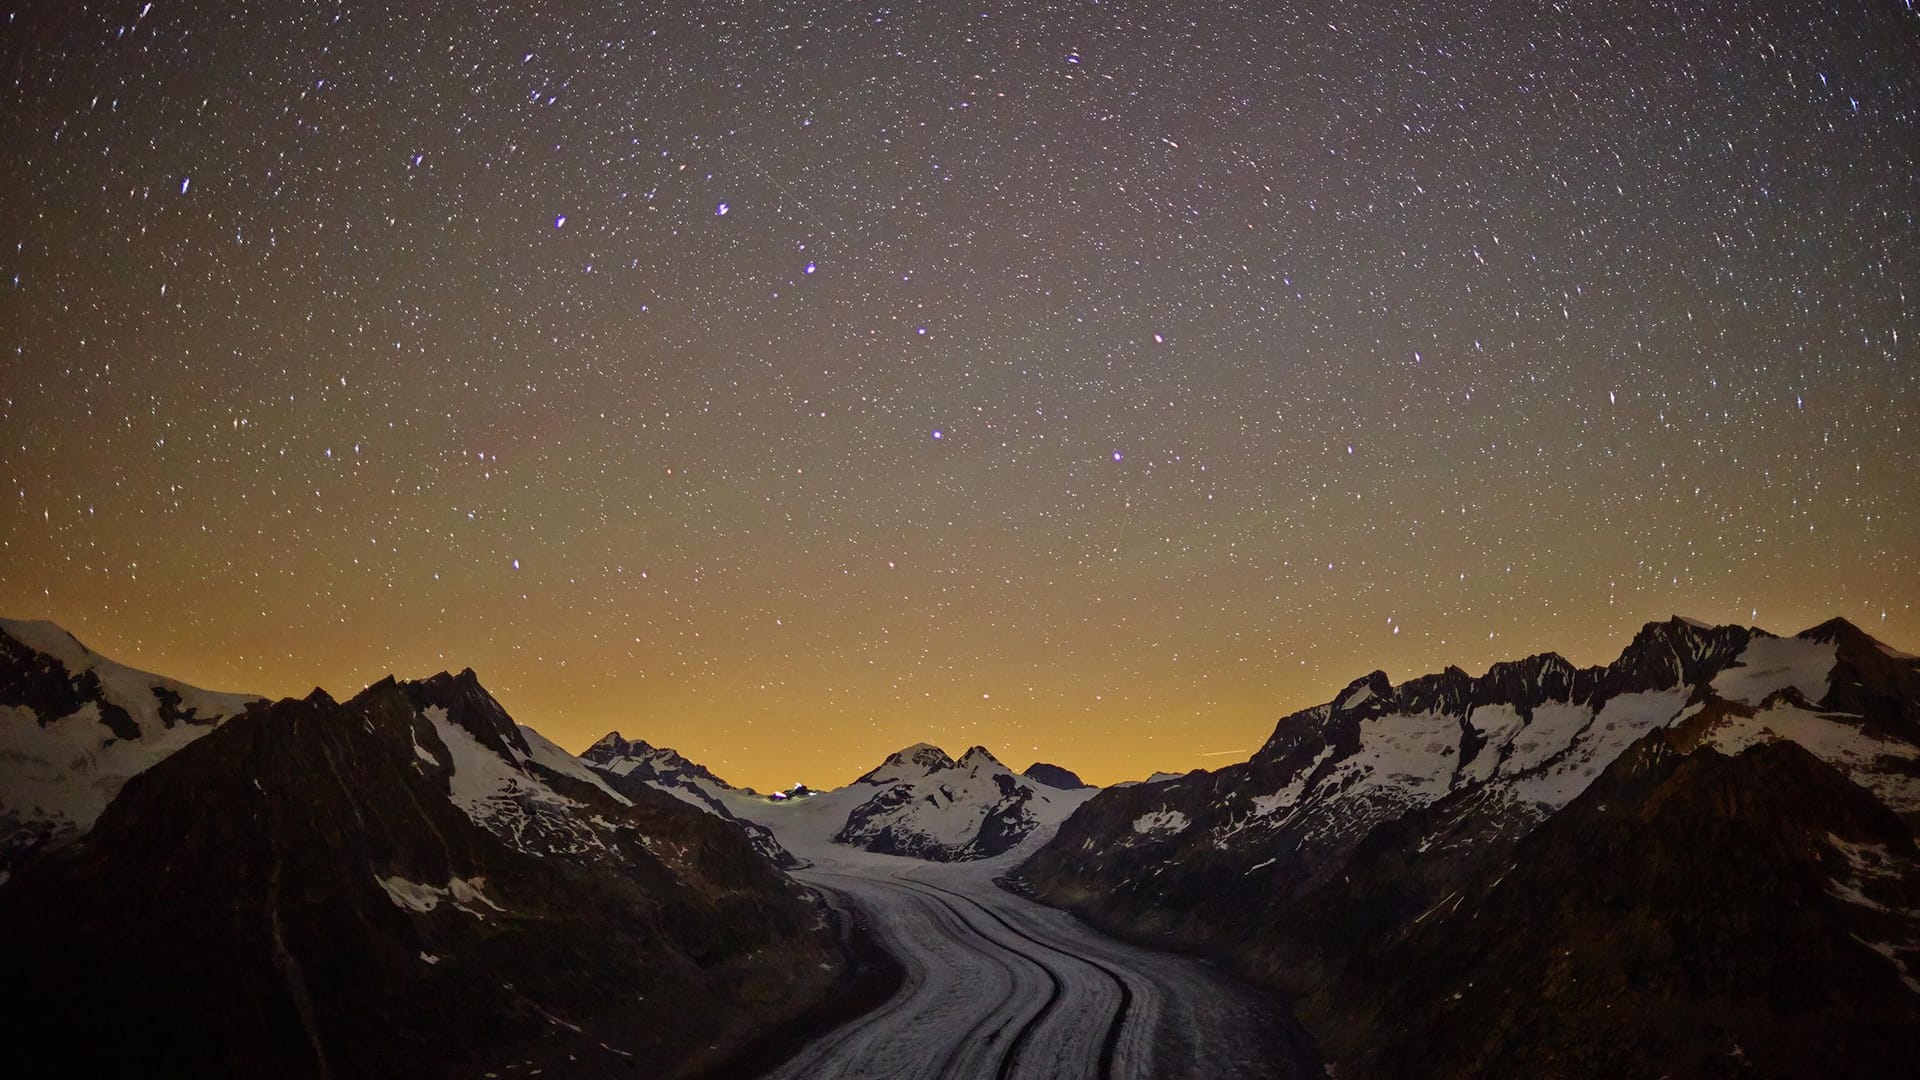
x: 925, y: 804
x: 406, y: 883
x: 1054, y: 776
x: 1154, y: 778
x: 1365, y: 823
x: 626, y: 765
x: 74, y: 726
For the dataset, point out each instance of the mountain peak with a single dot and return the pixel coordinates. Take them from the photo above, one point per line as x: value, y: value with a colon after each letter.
x: 1054, y: 776
x: 46, y: 636
x: 1667, y: 654
x: 468, y: 704
x: 923, y: 754
x: 648, y: 763
x: 912, y: 762
x: 1835, y: 629
x: 614, y: 745
x: 91, y: 723
x: 1372, y: 687
x: 924, y: 804
x: 979, y: 755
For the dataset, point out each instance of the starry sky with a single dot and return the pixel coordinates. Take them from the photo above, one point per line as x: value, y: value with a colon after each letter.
x: 790, y: 382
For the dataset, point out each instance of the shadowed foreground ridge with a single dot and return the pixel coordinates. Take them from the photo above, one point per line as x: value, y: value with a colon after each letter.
x: 1702, y: 851
x: 404, y: 884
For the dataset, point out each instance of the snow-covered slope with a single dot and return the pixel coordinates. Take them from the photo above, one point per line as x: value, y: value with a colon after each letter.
x: 625, y: 764
x: 74, y: 726
x: 1398, y: 810
x: 922, y: 803
x: 1506, y: 750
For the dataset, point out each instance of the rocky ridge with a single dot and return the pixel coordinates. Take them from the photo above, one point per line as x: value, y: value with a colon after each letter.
x: 627, y: 765
x: 1364, y: 823
x: 406, y: 883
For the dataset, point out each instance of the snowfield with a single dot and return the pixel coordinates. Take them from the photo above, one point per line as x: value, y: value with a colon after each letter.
x: 58, y: 773
x: 999, y: 986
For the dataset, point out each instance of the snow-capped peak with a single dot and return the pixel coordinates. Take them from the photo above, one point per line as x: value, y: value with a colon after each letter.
x: 627, y: 765
x: 77, y: 727
x: 930, y: 806
x: 979, y: 756
x: 613, y: 745
x: 914, y: 762
x: 468, y: 705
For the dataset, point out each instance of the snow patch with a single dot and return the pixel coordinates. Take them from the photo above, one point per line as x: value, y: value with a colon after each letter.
x: 1359, y: 696
x: 548, y: 755
x: 1287, y: 796
x: 509, y: 800
x: 1553, y: 726
x: 1873, y: 763
x: 1768, y: 664
x: 1556, y: 780
x: 1168, y: 822
x: 415, y: 896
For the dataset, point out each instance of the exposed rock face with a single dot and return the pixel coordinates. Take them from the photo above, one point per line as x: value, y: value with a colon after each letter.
x: 1719, y: 915
x: 74, y: 726
x: 406, y: 884
x: 636, y: 757
x: 930, y: 806
x: 1054, y: 777
x: 628, y: 765
x: 1362, y: 822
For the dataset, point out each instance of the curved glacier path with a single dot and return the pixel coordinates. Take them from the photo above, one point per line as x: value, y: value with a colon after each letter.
x: 997, y: 986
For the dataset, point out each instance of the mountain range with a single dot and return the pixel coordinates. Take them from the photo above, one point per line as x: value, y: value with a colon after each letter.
x: 1698, y: 859
x: 1703, y: 850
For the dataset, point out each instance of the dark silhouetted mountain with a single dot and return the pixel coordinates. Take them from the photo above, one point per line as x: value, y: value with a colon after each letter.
x: 406, y: 884
x: 1757, y: 914
x: 1054, y: 776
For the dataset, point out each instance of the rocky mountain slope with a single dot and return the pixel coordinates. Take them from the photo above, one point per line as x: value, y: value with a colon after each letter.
x: 74, y: 726
x: 1365, y: 823
x: 1745, y: 914
x: 406, y: 883
x: 1054, y: 776
x: 626, y: 765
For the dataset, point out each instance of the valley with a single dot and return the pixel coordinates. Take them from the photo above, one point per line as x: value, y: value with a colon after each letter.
x: 997, y: 986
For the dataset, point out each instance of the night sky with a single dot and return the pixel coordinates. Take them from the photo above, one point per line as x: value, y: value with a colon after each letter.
x: 788, y: 383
